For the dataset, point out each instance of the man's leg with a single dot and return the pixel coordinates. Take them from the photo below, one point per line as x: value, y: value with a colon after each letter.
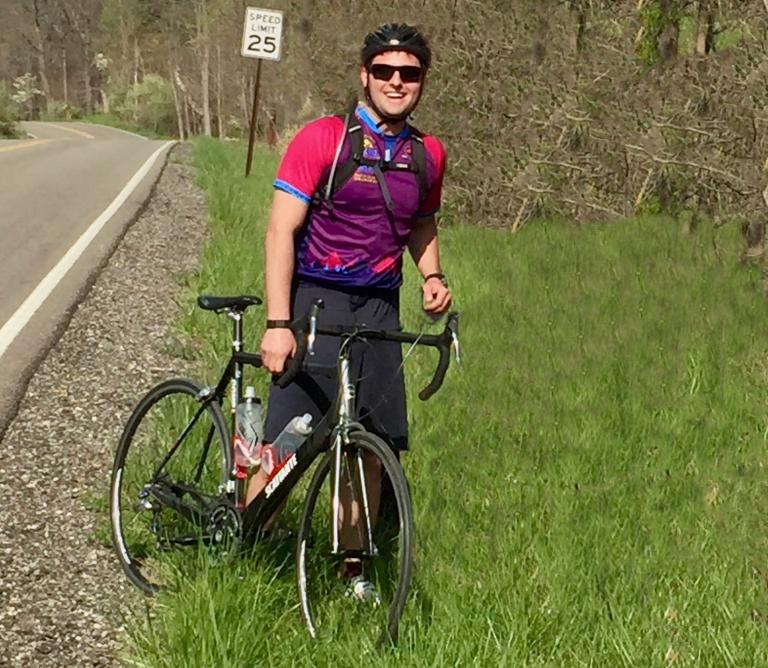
x: 352, y: 520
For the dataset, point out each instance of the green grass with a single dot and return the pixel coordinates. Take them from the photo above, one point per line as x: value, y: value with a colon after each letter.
x: 588, y: 489
x: 113, y: 122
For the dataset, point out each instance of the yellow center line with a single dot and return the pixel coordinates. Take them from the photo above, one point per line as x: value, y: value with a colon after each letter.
x: 77, y: 132
x: 25, y: 144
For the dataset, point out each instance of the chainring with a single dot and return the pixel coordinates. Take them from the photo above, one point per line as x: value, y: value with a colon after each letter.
x: 224, y: 528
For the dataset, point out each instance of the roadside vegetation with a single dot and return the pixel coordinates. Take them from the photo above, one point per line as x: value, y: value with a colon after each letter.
x: 589, y: 489
x: 9, y: 128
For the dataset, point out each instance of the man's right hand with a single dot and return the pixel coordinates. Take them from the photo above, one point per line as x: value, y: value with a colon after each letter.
x: 277, y: 345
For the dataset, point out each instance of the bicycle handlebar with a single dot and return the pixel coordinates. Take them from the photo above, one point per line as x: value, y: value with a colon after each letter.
x: 306, y: 329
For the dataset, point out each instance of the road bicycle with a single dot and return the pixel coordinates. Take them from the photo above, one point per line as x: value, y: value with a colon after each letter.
x: 174, y: 483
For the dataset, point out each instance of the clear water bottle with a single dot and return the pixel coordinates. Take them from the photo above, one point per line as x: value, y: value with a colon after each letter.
x: 287, y: 442
x: 249, y: 430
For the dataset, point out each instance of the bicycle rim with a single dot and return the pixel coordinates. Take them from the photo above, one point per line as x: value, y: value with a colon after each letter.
x: 147, y: 534
x: 328, y: 602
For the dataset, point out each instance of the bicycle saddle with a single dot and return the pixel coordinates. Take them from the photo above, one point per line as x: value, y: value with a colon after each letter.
x: 239, y: 303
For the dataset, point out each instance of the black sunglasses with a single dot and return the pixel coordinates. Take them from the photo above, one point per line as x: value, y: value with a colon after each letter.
x: 408, y: 73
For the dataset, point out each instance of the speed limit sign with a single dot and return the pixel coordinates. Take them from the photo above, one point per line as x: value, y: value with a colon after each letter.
x: 261, y: 34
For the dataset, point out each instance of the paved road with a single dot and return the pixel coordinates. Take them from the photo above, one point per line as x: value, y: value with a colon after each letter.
x: 52, y: 188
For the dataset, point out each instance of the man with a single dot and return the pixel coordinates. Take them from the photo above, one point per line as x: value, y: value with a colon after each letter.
x: 347, y: 248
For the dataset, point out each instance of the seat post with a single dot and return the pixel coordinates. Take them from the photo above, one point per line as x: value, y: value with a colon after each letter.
x: 237, y: 346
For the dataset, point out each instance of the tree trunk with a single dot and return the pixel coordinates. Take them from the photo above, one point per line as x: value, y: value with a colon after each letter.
x: 178, y: 105
x: 705, y: 28
x: 205, y: 65
x: 186, y: 116
x: 245, y: 89
x: 64, y: 75
x: 578, y: 15
x: 219, y: 111
x: 41, y: 63
x: 136, y: 59
x: 124, y: 46
x: 668, y: 38
x: 87, y: 79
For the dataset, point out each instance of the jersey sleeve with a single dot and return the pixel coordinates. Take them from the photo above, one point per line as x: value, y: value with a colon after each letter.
x: 308, y: 155
x: 436, y: 156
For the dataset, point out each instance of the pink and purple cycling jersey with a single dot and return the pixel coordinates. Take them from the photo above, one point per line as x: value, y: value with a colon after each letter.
x: 357, y: 241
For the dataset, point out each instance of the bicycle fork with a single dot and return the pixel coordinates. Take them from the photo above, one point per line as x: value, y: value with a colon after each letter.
x: 352, y: 514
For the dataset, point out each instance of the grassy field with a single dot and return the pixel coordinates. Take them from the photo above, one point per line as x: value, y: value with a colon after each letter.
x: 588, y: 489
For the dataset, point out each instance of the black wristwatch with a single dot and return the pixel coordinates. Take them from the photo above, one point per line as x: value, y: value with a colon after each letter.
x: 437, y: 274
x: 278, y: 324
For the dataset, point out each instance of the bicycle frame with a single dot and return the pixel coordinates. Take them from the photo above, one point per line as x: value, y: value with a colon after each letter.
x: 332, y: 432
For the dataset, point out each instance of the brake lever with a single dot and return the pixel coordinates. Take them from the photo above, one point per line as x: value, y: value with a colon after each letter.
x: 453, y: 327
x: 312, y: 336
x: 456, y: 348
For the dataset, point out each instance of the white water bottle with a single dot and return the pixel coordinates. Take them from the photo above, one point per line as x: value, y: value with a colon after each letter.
x: 287, y: 442
x: 249, y: 430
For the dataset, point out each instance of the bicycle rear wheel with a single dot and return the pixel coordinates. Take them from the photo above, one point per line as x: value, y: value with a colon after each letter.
x: 175, y: 446
x: 381, y: 538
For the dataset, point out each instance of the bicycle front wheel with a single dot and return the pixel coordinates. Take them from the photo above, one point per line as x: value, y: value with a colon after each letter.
x: 176, y: 448
x: 355, y: 578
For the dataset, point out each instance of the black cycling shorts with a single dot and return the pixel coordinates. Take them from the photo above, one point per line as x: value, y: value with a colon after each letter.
x: 377, y: 365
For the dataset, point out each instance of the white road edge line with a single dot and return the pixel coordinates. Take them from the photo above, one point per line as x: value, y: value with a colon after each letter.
x: 11, y: 329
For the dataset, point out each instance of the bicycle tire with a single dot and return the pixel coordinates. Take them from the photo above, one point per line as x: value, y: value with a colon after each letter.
x: 212, y: 471
x: 313, y: 549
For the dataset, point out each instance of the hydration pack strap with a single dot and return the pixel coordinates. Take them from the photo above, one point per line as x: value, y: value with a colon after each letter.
x: 341, y: 172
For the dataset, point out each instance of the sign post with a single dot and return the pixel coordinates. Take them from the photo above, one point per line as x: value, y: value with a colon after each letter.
x: 262, y: 35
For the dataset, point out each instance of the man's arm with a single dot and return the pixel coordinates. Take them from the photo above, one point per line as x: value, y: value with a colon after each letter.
x: 288, y: 214
x: 422, y: 245
x: 423, y: 248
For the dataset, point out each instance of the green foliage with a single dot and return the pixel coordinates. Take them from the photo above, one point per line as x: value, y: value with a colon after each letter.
x: 588, y: 490
x: 8, y: 114
x: 115, y: 122
x: 58, y: 110
x: 149, y: 104
x: 652, y: 21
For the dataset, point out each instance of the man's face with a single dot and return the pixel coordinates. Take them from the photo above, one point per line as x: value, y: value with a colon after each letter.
x: 392, y: 94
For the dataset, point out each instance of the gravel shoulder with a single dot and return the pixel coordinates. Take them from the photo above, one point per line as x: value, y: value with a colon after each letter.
x: 62, y: 593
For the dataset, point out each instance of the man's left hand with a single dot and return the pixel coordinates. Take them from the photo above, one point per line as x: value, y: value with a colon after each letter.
x: 437, y: 297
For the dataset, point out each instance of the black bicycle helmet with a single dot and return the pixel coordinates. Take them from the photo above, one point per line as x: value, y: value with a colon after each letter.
x: 396, y: 37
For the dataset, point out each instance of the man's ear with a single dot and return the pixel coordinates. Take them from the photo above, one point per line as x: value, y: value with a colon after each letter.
x: 363, y: 76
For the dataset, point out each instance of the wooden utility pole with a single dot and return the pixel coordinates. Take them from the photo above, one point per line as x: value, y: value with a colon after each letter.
x: 254, y: 113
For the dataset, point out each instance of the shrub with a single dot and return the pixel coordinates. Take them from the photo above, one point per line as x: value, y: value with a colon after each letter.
x: 149, y: 105
x: 8, y: 114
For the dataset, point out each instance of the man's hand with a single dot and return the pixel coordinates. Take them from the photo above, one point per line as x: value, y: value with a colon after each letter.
x: 277, y: 345
x: 437, y: 297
